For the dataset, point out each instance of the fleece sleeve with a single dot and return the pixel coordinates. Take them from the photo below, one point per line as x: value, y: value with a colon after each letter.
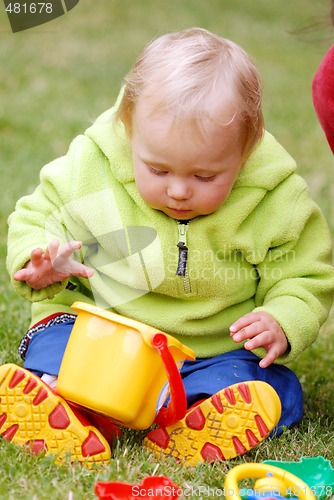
x: 38, y: 218
x: 27, y: 230
x: 296, y: 278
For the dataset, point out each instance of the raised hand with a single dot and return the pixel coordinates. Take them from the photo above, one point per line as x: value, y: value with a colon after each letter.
x: 53, y: 265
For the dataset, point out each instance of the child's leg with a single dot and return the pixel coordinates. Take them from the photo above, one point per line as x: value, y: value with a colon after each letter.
x: 50, y: 380
x: 44, y: 351
x: 245, y: 407
x: 32, y: 415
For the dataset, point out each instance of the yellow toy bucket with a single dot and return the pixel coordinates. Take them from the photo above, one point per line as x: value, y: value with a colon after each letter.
x: 123, y: 369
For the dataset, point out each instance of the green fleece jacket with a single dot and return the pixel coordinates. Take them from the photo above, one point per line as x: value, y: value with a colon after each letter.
x: 267, y: 248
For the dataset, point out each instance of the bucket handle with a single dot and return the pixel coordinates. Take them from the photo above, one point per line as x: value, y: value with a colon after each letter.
x: 177, y: 405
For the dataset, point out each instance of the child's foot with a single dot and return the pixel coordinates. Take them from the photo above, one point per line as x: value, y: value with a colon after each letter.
x: 32, y: 415
x: 222, y: 427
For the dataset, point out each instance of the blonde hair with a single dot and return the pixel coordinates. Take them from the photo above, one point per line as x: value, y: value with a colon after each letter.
x: 195, y: 74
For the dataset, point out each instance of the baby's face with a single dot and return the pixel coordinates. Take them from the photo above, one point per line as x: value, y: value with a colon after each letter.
x: 180, y: 170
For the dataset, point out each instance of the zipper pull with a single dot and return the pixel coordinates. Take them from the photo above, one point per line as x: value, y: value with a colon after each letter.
x: 183, y: 249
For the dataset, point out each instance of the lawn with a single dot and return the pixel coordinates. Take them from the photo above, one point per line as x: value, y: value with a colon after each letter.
x: 55, y: 80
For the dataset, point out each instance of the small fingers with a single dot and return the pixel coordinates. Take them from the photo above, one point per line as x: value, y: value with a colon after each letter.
x: 67, y: 249
x: 78, y: 269
x: 55, y: 249
x: 260, y: 340
x: 21, y: 275
x: 60, y: 255
x: 267, y: 360
x: 244, y: 321
x: 36, y: 256
x: 248, y: 332
x: 62, y: 251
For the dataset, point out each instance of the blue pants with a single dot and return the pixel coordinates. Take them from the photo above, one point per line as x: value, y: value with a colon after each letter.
x: 202, y: 377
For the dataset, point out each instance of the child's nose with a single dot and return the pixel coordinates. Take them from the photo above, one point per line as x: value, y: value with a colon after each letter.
x: 179, y: 190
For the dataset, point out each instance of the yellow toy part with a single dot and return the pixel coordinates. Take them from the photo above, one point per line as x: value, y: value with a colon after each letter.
x: 123, y: 369
x: 270, y: 478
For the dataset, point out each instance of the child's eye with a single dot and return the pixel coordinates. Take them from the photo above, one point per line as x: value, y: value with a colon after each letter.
x: 156, y: 171
x: 205, y: 179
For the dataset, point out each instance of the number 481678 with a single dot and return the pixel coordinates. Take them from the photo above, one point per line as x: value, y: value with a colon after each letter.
x: 30, y: 8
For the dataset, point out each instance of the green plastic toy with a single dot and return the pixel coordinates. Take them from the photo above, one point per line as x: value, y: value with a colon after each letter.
x: 317, y: 473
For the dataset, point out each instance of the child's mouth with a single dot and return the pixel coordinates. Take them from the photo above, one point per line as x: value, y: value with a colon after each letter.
x: 178, y: 212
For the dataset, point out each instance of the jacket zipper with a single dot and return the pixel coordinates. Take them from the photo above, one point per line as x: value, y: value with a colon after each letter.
x: 182, y: 269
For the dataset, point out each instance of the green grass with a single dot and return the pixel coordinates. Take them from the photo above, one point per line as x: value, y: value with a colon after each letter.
x: 54, y: 81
